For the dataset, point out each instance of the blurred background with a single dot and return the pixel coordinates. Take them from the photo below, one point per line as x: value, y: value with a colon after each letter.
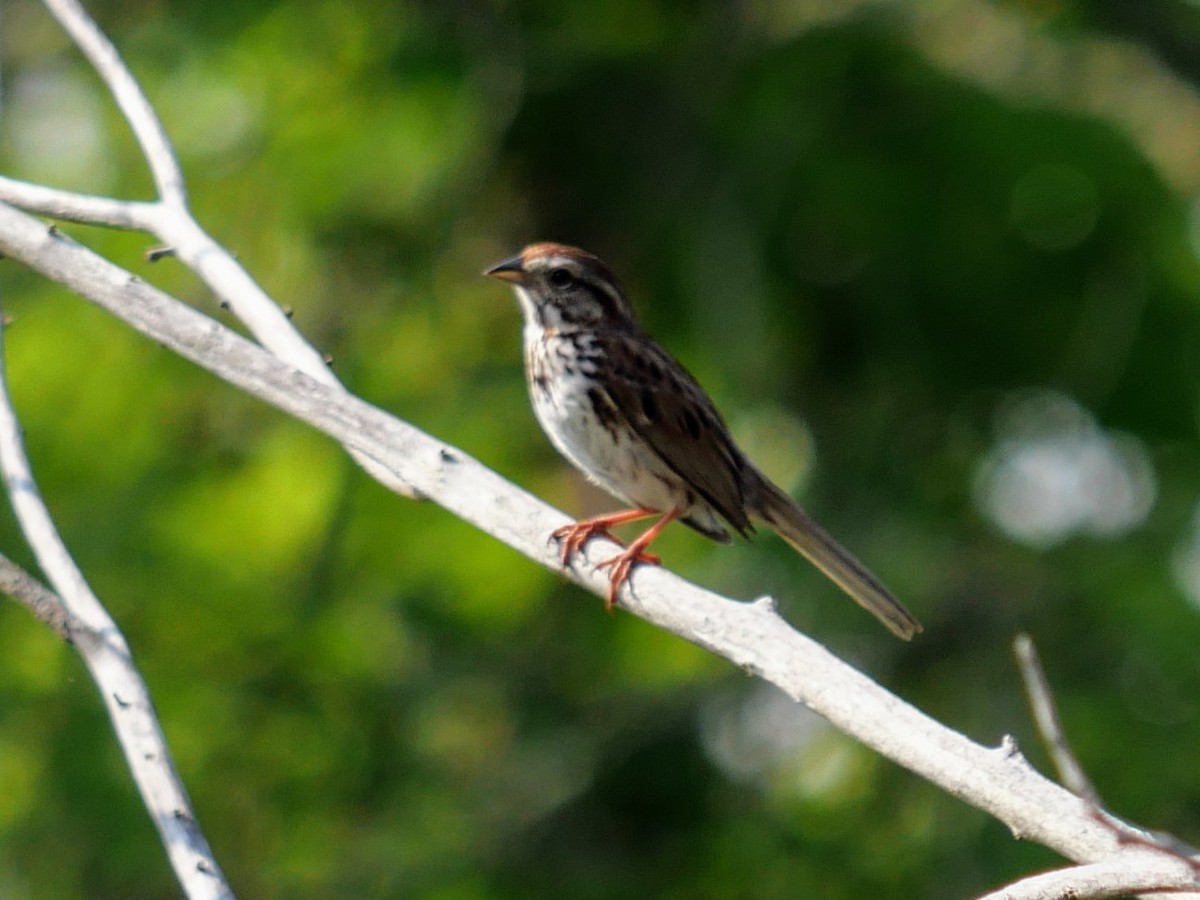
x: 937, y: 262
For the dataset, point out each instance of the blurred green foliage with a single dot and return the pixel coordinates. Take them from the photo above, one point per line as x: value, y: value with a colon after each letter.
x: 951, y: 297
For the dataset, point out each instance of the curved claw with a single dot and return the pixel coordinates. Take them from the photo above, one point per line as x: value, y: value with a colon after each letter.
x: 622, y: 566
x: 571, y: 538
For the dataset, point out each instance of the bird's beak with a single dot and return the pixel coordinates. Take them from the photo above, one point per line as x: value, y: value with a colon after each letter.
x: 510, y: 270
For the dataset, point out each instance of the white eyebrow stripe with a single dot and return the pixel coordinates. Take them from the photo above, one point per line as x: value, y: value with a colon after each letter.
x: 565, y: 261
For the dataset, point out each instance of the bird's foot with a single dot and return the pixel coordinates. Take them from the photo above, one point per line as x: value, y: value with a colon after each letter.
x: 622, y: 564
x: 571, y: 538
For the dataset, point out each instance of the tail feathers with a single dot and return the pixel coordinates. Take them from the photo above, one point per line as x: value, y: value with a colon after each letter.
x: 795, y: 526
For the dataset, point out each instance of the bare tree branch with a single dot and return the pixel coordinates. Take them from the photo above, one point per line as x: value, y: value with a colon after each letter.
x: 1045, y: 715
x: 108, y: 658
x: 132, y: 215
x: 46, y: 605
x: 169, y: 219
x: 1099, y: 881
x: 1085, y: 881
x: 168, y: 179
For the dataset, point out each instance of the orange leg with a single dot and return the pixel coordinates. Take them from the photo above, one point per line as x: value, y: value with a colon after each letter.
x: 622, y: 564
x: 571, y: 538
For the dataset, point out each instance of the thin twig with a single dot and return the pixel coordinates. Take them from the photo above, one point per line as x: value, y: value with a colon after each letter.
x: 86, y: 209
x: 147, y: 129
x: 1071, y: 773
x: 1045, y: 715
x: 46, y: 605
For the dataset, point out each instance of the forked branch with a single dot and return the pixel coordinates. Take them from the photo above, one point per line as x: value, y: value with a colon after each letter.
x: 77, y: 614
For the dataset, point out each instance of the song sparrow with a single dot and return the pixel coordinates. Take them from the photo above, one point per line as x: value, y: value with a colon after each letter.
x: 635, y: 422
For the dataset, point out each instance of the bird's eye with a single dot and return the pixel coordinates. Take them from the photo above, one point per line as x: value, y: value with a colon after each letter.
x: 561, y: 278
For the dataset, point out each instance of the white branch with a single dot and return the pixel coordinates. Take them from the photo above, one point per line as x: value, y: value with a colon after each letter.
x: 148, y: 130
x: 170, y: 220
x: 86, y: 209
x: 1098, y: 881
x: 752, y: 636
x: 107, y: 656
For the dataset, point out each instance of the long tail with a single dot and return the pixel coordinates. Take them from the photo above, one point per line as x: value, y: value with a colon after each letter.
x: 793, y: 524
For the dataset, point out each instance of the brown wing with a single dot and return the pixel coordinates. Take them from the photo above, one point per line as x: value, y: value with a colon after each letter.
x: 670, y: 411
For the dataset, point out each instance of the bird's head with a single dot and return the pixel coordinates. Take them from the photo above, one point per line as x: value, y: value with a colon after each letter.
x: 564, y: 287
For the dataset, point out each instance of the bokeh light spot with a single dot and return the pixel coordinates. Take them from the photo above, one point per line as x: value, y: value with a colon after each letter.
x: 1054, y: 473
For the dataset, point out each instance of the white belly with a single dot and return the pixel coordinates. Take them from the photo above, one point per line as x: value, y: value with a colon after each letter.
x: 625, y: 468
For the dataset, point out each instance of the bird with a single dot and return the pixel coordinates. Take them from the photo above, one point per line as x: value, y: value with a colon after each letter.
x: 635, y: 422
